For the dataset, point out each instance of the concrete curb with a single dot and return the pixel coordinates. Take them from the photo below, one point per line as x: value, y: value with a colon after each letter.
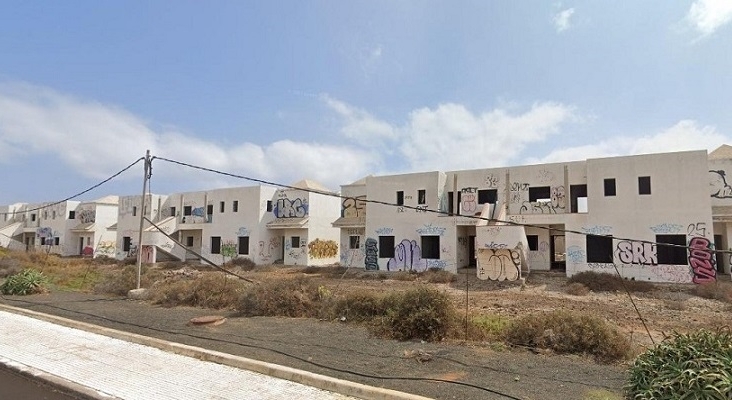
x: 62, y: 384
x: 341, y: 386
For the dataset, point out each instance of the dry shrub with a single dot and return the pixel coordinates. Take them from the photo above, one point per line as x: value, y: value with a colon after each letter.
x: 404, y: 276
x: 577, y: 289
x: 120, y: 281
x: 358, y: 306
x: 422, y: 313
x: 104, y: 260
x: 715, y: 291
x: 213, y: 290
x: 438, y: 276
x: 245, y: 264
x: 298, y: 297
x: 602, y: 282
x: 574, y: 333
x: 9, y: 266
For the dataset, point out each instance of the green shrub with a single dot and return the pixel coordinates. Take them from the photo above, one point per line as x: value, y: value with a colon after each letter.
x: 28, y: 281
x: 565, y: 332
x: 488, y: 327
x: 610, y: 282
x: 423, y: 313
x: 686, y: 366
x: 297, y: 297
x: 212, y: 290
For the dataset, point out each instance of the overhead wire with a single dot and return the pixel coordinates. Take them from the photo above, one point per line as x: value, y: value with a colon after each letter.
x: 83, y: 192
x: 422, y: 209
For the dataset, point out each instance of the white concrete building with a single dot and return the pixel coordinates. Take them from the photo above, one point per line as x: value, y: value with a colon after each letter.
x: 94, y: 233
x: 266, y: 225
x: 575, y: 216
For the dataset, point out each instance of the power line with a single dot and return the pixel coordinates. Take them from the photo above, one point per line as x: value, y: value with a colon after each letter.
x: 423, y: 210
x: 80, y: 193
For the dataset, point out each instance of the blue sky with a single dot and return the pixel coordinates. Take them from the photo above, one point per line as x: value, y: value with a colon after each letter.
x: 334, y: 90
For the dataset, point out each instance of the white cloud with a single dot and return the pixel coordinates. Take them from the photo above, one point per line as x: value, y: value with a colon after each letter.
x: 562, y: 20
x: 451, y: 137
x: 684, y: 135
x: 706, y: 16
x: 96, y: 140
x: 359, y: 125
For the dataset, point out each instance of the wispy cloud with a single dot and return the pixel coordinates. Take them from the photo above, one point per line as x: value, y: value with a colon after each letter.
x: 562, y: 20
x: 684, y: 135
x: 95, y: 139
x: 706, y: 16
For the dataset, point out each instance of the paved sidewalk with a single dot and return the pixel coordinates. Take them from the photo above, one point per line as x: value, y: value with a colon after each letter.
x: 114, y: 368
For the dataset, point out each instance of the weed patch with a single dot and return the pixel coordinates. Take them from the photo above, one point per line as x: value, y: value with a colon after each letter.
x: 28, y: 281
x: 715, y: 291
x: 423, y: 313
x: 438, y: 276
x: 601, y: 282
x: 213, y: 290
x: 298, y: 297
x: 685, y: 366
x: 120, y: 281
x: 572, y: 333
x: 577, y: 289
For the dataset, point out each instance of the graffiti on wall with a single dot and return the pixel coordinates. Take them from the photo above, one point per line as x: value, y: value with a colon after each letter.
x: 430, y: 229
x: 295, y: 208
x: 576, y: 255
x: 545, y: 176
x: 106, y: 248
x: 384, y: 231
x: 697, y: 229
x: 597, y: 229
x: 266, y: 248
x: 323, y: 248
x: 671, y: 273
x: 242, y: 231
x: 632, y: 252
x: 701, y: 260
x: 86, y: 216
x: 718, y: 186
x: 371, y: 251
x: 354, y: 207
x: 148, y: 254
x: 499, y: 264
x: 407, y: 257
x: 44, y: 233
x: 555, y: 204
x: 666, y: 228
x: 491, y: 181
x: 468, y: 200
x: 517, y: 191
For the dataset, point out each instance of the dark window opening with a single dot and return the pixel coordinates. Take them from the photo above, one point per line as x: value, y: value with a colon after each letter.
x: 33, y: 217
x: 295, y: 242
x: 578, y: 198
x: 533, y: 242
x: 189, y: 241
x: 354, y: 242
x: 243, y: 244
x: 222, y: 207
x: 540, y: 193
x: 431, y: 247
x: 134, y: 211
x: 400, y: 198
x: 644, y: 185
x: 43, y: 241
x: 386, y: 246
x: 215, y: 244
x: 450, y: 203
x: 209, y: 209
x: 421, y: 196
x: 72, y: 214
x: 599, y: 249
x: 671, y: 255
x: 269, y: 205
x: 56, y: 241
x: 235, y: 206
x: 187, y: 210
x: 489, y: 196
x: 126, y: 243
x: 172, y: 211
x: 609, y: 186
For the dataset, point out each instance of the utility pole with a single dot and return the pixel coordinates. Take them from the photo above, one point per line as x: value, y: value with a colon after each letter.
x: 142, y: 216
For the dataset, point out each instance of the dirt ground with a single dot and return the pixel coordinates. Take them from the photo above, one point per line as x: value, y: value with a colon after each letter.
x: 476, y: 370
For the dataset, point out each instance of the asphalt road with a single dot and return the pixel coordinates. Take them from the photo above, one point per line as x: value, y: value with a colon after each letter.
x: 19, y: 387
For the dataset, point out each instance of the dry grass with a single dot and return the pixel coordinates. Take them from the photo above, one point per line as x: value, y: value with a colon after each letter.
x: 120, y: 281
x: 721, y: 291
x: 574, y: 333
x: 404, y: 276
x: 601, y: 282
x: 438, y: 276
x: 213, y: 290
x: 577, y: 289
x: 298, y: 297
